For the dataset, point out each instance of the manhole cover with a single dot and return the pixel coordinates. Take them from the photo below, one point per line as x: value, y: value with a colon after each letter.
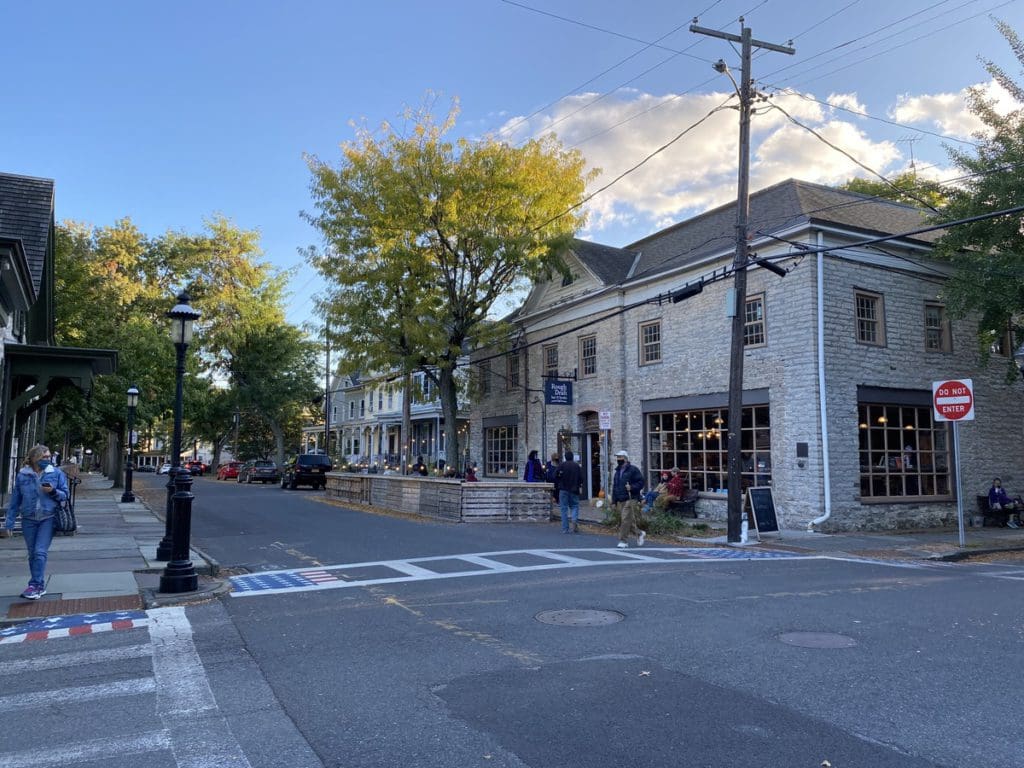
x: 817, y: 640
x: 579, y: 618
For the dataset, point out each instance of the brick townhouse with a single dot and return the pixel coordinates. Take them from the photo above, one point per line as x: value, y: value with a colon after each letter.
x: 840, y: 355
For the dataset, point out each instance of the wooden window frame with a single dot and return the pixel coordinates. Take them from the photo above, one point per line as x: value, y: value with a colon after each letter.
x: 944, y: 328
x: 642, y: 345
x: 879, y: 319
x: 550, y: 371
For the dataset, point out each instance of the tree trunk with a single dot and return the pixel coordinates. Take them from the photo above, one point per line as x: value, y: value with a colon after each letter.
x: 115, y: 457
x: 449, y: 391
x: 278, y: 440
x: 406, y: 447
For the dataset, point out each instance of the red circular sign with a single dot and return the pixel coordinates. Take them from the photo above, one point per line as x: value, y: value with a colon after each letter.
x: 954, y: 400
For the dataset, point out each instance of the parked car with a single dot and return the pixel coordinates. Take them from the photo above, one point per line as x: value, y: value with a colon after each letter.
x: 259, y: 470
x: 196, y: 467
x: 306, y: 469
x: 165, y: 468
x: 228, y: 470
x: 145, y: 468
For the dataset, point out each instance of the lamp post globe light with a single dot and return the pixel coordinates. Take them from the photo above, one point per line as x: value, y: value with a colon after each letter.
x: 179, y: 575
x: 133, y: 400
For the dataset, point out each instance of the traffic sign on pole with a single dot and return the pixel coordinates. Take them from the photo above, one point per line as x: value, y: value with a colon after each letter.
x: 953, y: 400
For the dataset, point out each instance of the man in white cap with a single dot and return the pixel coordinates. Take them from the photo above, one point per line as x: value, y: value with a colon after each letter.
x: 627, y: 490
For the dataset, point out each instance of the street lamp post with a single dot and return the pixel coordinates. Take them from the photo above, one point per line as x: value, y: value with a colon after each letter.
x: 179, y: 575
x: 133, y: 400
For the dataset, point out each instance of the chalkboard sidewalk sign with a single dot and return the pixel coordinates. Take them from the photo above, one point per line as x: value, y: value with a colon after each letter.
x: 764, y: 516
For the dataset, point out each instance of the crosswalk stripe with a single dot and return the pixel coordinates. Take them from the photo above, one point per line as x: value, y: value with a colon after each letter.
x: 77, y: 694
x: 58, y: 660
x: 54, y: 756
x: 417, y: 569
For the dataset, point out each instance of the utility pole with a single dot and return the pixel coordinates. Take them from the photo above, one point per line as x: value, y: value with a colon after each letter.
x: 740, y: 263
x: 327, y: 391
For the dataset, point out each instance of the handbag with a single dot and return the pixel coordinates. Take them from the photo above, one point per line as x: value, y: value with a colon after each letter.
x: 64, y: 519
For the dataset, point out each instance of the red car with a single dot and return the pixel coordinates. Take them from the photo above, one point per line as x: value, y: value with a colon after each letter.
x: 228, y: 470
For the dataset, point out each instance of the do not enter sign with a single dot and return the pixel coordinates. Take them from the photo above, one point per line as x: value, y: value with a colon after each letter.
x: 953, y: 400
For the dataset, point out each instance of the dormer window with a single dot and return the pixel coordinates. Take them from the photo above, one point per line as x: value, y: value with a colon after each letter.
x: 568, y: 279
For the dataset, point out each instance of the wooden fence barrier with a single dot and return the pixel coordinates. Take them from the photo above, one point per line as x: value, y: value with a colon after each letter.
x: 484, y: 501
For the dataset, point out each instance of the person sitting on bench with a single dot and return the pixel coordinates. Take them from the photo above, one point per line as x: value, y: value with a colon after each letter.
x: 999, y: 501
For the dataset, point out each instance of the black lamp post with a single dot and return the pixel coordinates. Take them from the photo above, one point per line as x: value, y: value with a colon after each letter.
x: 133, y: 400
x: 179, y: 575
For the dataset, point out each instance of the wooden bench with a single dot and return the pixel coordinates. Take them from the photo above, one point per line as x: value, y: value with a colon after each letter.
x: 995, y: 517
x: 686, y: 506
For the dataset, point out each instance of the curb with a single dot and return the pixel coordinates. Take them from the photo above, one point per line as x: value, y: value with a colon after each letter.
x: 209, y: 591
x: 953, y: 557
x: 212, y: 566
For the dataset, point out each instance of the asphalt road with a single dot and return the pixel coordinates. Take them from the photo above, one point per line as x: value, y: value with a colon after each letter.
x: 696, y: 667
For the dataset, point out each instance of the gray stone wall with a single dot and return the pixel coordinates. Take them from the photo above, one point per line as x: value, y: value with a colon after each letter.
x: 695, y: 360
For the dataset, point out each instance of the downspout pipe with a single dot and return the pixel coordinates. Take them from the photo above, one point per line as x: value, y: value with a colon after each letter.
x: 822, y: 408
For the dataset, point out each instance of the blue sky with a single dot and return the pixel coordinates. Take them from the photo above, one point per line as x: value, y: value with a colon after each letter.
x: 170, y: 112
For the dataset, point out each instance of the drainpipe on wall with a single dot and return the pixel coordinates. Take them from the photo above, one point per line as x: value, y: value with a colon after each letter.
x: 822, y: 409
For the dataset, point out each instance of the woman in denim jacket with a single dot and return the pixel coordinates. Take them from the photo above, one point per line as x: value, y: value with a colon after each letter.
x: 39, y: 487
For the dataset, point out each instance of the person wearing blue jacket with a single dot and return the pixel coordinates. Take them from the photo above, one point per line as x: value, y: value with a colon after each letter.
x: 39, y: 487
x: 627, y: 490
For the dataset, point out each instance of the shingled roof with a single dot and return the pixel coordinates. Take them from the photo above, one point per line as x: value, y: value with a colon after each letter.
x: 775, y: 209
x: 26, y: 213
x: 610, y: 265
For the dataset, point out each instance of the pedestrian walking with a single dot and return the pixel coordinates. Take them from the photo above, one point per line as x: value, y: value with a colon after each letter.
x: 627, y: 490
x: 534, y: 472
x: 569, y: 482
x: 39, y: 487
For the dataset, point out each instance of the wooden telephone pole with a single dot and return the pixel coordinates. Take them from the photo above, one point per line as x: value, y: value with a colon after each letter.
x: 740, y: 262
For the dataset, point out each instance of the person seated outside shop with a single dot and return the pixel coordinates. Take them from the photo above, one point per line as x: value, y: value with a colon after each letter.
x: 674, y: 491
x: 471, y: 474
x: 999, y: 501
x: 654, y: 493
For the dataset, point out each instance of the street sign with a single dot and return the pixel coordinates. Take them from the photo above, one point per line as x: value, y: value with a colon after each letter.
x: 953, y: 400
x: 604, y: 419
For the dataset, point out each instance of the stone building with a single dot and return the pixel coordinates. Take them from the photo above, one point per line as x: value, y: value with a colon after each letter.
x: 839, y: 360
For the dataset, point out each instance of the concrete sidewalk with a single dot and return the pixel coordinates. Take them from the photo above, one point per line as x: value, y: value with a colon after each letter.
x: 108, y: 565
x: 932, y: 544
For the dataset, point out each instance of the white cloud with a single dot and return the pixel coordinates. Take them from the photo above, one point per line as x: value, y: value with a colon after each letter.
x: 699, y: 170
x: 948, y: 112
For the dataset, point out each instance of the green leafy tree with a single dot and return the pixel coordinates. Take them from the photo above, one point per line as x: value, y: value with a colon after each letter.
x: 273, y: 372
x: 906, y: 188
x: 425, y: 234
x: 988, y: 256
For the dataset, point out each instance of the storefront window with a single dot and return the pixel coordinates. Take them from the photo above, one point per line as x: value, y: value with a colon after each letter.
x: 697, y: 443
x: 501, y: 456
x: 902, y: 452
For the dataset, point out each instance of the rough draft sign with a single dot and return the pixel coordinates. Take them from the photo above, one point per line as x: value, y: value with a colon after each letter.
x: 953, y: 400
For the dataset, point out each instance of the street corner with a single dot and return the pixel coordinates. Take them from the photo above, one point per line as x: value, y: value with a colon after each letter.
x: 209, y: 588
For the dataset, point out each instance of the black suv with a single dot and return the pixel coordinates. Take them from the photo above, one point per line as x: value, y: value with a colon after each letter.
x: 306, y: 469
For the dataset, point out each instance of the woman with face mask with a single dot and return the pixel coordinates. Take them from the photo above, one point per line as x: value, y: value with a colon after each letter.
x: 39, y: 487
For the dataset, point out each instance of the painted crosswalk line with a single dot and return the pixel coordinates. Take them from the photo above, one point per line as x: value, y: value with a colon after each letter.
x: 480, y: 564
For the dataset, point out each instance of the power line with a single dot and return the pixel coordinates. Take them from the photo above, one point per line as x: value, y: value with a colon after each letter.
x: 618, y: 64
x: 601, y: 29
x: 625, y: 173
x: 843, y: 152
x: 912, y: 40
x: 826, y: 103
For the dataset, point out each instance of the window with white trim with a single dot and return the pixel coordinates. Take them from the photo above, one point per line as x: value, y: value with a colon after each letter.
x: 501, y: 451
x: 512, y: 373
x: 588, y: 356
x: 753, y: 321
